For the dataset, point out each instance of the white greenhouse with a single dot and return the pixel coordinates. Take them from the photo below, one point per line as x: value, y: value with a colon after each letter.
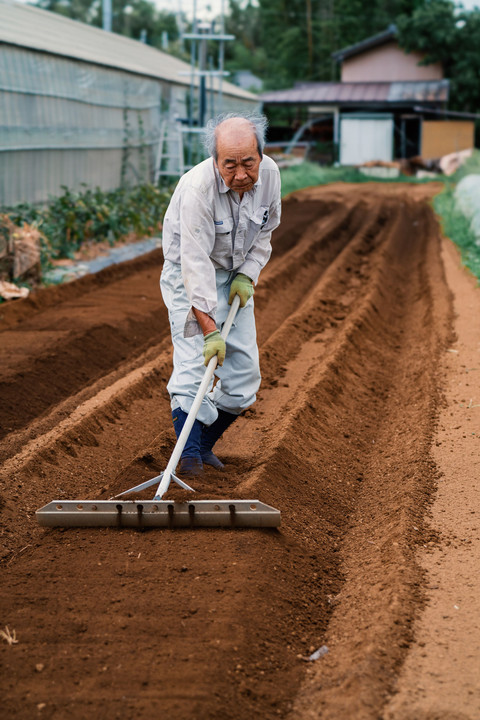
x: 83, y: 107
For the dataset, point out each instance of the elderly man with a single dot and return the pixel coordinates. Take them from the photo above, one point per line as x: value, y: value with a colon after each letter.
x: 216, y: 240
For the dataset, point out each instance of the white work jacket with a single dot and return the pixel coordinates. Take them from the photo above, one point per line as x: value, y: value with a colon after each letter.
x: 207, y: 227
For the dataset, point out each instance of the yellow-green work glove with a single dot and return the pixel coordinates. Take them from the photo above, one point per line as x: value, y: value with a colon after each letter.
x: 242, y: 286
x: 214, y: 344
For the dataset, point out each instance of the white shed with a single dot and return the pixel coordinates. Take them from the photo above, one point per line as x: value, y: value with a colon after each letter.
x: 366, y: 137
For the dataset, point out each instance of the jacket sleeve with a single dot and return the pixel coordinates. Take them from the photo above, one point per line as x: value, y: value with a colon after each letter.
x: 259, y: 254
x: 197, y: 238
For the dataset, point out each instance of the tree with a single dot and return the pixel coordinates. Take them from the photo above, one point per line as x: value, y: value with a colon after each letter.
x: 451, y: 37
x: 356, y: 20
x: 430, y: 29
x: 246, y: 51
x: 466, y: 85
x: 298, y: 37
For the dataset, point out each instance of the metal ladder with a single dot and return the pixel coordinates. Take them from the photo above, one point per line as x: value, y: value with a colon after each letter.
x: 169, y: 160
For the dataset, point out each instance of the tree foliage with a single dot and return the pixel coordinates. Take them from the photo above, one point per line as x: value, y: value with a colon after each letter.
x: 247, y: 51
x: 451, y: 37
x: 293, y: 40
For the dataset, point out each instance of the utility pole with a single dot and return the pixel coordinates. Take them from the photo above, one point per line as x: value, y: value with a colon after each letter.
x: 203, y: 29
x: 221, y: 59
x: 107, y: 15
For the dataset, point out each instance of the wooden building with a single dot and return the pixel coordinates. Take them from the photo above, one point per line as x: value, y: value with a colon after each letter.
x: 386, y: 106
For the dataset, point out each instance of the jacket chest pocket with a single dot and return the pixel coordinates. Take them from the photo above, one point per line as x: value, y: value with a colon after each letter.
x: 223, y: 236
x: 256, y: 223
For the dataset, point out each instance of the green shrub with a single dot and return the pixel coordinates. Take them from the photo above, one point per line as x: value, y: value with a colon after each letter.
x: 93, y: 215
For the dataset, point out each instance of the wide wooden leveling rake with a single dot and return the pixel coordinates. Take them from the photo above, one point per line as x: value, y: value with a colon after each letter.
x: 164, y: 513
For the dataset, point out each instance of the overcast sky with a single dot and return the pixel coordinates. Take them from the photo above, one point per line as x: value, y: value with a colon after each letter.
x: 206, y: 9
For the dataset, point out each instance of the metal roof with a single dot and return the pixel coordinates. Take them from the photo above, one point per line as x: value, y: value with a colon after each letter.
x: 358, y: 93
x: 30, y: 27
x: 374, y: 41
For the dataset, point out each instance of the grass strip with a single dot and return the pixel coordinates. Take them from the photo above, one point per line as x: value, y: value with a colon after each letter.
x: 456, y: 226
x: 309, y: 174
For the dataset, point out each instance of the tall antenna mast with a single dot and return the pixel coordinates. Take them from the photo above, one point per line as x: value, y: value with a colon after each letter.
x: 204, y: 32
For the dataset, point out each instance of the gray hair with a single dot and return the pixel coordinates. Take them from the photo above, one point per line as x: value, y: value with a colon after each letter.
x: 258, y: 122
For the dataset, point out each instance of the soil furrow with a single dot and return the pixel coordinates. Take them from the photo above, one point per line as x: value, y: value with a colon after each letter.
x: 59, y: 367
x: 371, y: 627
x: 211, y: 624
x: 53, y: 353
x: 12, y: 315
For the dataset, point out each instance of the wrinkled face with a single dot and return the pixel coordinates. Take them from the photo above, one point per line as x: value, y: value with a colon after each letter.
x: 238, y: 159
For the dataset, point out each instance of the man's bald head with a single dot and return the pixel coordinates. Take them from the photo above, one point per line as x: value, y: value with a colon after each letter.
x: 236, y: 132
x: 236, y: 137
x: 230, y: 123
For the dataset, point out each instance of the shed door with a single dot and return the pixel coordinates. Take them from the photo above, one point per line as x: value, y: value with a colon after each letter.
x: 365, y: 139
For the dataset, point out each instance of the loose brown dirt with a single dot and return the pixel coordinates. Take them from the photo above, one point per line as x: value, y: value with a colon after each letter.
x: 354, y: 317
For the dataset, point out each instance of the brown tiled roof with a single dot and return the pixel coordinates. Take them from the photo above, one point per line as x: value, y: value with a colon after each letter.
x: 358, y: 93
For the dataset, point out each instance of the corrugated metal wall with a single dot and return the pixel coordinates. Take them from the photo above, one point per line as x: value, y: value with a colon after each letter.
x: 65, y: 122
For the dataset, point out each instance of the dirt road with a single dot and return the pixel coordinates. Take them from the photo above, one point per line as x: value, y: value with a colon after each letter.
x: 354, y: 317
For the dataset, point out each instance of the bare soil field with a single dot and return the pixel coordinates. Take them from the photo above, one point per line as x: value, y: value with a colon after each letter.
x: 357, y: 325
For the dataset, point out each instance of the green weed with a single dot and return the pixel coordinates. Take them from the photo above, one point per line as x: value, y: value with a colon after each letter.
x: 74, y: 218
x: 309, y: 174
x: 457, y: 227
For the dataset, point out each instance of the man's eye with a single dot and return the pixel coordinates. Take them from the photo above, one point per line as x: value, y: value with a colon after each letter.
x: 249, y: 165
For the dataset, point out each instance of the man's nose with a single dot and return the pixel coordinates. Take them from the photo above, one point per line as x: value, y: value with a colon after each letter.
x: 240, y: 173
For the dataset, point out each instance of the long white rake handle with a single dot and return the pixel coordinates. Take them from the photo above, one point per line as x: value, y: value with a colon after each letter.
x: 201, y: 392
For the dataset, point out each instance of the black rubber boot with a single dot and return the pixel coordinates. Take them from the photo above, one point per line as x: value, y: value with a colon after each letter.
x: 211, y: 434
x: 190, y: 464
